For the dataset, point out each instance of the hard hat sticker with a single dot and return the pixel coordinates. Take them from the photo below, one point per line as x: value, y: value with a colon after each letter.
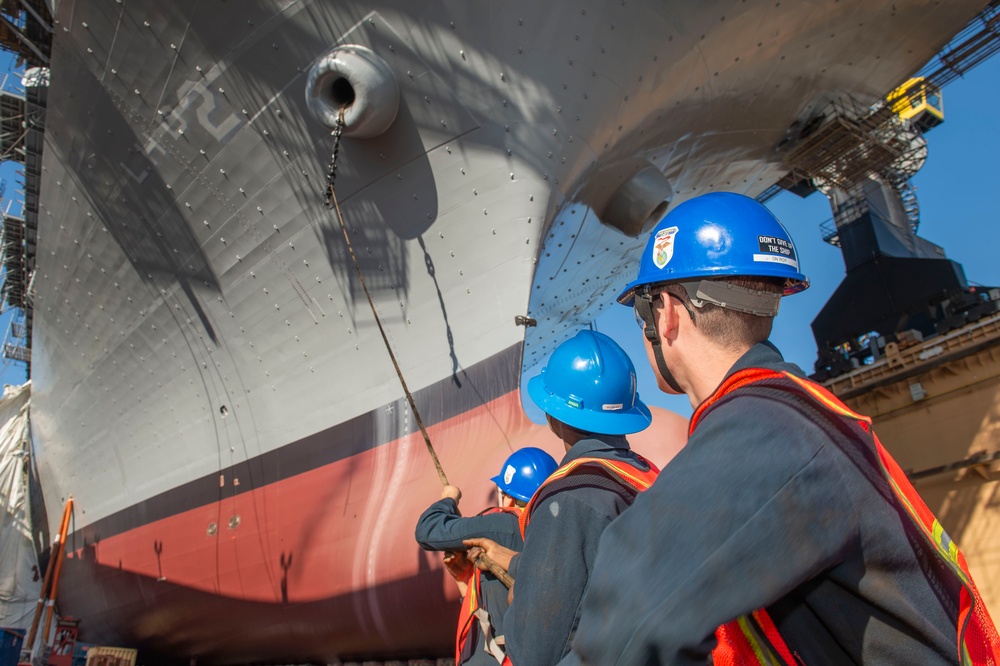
x: 508, y: 474
x: 612, y: 407
x: 776, y: 250
x: 663, y: 246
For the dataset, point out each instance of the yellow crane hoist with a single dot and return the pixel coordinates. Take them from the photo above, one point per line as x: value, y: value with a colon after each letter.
x: 918, y: 102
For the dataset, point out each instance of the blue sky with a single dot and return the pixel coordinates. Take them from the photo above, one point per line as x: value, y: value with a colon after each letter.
x: 957, y: 189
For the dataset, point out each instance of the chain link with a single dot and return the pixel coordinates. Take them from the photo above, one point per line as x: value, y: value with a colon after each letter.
x: 331, y: 202
x: 331, y: 170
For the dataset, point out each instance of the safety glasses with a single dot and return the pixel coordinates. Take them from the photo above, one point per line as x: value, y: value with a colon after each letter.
x: 642, y: 308
x: 638, y: 317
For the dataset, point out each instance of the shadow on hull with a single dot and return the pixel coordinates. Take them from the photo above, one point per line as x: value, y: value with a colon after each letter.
x: 170, y: 622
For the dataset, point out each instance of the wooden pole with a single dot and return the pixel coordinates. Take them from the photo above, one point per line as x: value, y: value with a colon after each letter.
x: 495, y: 569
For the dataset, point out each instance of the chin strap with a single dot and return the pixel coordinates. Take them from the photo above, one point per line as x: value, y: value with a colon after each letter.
x: 644, y: 306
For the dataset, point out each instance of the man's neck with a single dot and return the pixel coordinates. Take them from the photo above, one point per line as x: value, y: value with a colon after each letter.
x: 568, y: 434
x: 571, y: 438
x: 707, y: 370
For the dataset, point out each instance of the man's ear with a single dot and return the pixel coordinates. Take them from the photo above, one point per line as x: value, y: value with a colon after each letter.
x: 668, y: 316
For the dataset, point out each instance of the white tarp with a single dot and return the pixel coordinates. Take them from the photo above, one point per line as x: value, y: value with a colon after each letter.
x: 18, y: 588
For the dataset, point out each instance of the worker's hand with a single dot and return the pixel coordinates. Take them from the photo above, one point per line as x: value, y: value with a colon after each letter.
x: 458, y: 565
x: 493, y: 550
x: 451, y: 491
x: 473, y: 554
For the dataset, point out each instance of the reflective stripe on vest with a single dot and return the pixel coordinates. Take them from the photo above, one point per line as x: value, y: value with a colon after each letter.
x: 472, y: 608
x: 631, y: 475
x: 467, y: 615
x: 977, y: 640
x: 751, y: 640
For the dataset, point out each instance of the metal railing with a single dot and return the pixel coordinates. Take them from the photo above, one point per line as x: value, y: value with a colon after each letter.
x: 11, y: 83
x: 855, y: 140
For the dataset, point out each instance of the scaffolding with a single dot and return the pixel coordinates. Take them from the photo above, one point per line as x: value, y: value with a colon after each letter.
x: 977, y: 42
x: 16, y: 345
x: 17, y: 234
x: 12, y: 254
x: 26, y: 31
x: 852, y: 145
x: 852, y: 141
x: 12, y: 119
x: 15, y: 289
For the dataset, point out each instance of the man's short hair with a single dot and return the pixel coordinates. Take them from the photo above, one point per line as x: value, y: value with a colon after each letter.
x: 585, y: 433
x: 726, y: 327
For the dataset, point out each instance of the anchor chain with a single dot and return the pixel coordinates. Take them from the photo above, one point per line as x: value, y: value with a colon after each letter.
x: 331, y: 202
x: 330, y: 199
x: 331, y: 169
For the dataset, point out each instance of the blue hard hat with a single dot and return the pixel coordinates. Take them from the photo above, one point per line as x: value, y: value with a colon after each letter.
x: 523, y: 472
x: 716, y: 235
x: 589, y: 384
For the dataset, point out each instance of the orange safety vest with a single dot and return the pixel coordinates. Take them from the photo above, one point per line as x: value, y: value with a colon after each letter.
x: 733, y: 641
x: 472, y: 608
x: 754, y: 639
x: 631, y: 475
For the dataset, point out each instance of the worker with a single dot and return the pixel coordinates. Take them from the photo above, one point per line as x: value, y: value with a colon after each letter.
x: 588, y: 393
x: 783, y: 520
x: 479, y: 640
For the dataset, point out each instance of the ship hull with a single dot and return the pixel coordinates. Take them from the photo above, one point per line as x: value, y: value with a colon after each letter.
x: 317, y: 566
x: 308, y: 555
x: 209, y: 381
